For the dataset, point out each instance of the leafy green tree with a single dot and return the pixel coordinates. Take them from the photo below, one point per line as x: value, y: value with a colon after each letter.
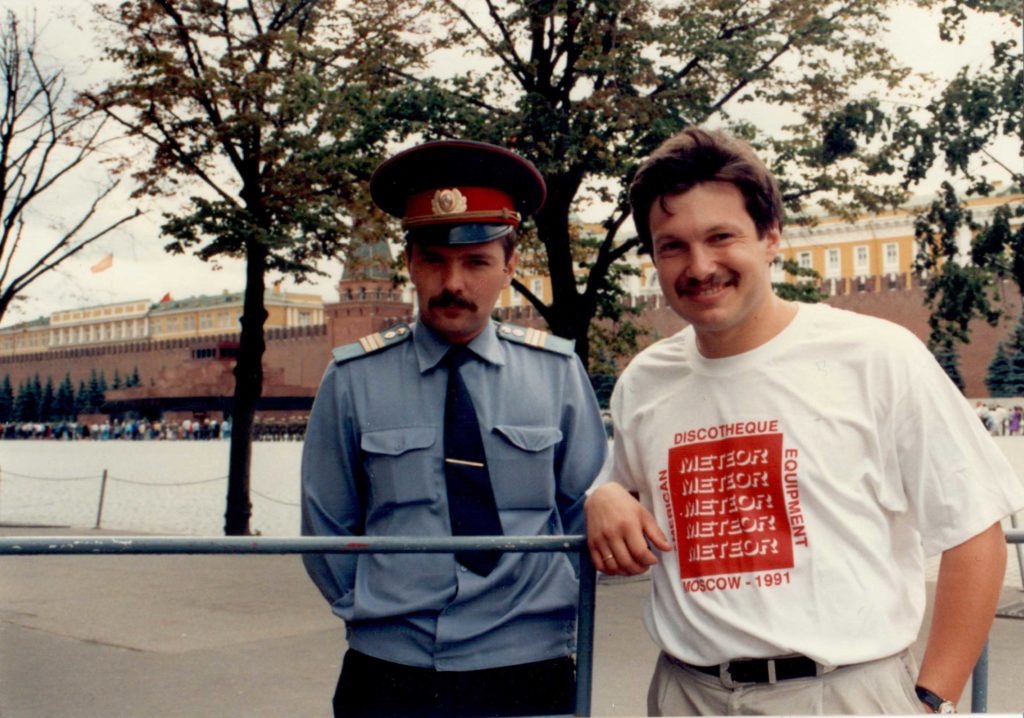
x: 115, y: 383
x: 133, y: 379
x: 265, y: 110
x: 586, y: 89
x: 976, y: 109
x: 805, y: 289
x: 6, y: 399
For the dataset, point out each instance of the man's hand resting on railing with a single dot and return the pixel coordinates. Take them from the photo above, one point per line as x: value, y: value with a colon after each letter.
x: 618, y: 532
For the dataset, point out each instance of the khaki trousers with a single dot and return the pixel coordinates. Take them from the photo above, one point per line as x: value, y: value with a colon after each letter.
x: 882, y: 687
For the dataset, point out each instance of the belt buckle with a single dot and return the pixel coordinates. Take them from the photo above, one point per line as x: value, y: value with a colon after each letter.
x: 725, y: 676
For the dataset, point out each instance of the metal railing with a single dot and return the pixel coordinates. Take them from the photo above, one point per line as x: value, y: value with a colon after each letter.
x: 979, y: 677
x: 64, y: 545
x: 93, y: 545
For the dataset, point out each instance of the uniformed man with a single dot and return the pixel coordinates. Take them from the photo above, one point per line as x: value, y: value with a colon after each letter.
x: 455, y: 425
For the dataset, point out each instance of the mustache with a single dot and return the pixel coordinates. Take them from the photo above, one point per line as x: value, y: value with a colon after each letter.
x: 690, y: 283
x: 447, y: 299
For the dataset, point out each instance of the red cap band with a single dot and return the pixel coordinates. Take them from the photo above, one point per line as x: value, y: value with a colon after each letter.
x: 459, y: 205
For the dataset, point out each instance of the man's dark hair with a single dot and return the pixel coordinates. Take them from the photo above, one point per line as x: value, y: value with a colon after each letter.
x: 694, y: 156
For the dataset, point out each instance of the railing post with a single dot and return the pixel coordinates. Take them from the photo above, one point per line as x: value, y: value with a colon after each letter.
x: 585, y: 633
x: 103, y: 494
x: 1020, y: 552
x: 979, y: 683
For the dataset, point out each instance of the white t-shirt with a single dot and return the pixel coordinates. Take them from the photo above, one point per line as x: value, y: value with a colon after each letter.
x: 802, y: 484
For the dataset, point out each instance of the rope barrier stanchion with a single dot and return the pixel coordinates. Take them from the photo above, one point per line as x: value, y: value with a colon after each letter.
x: 979, y: 683
x: 1020, y: 551
x: 585, y: 633
x: 103, y: 494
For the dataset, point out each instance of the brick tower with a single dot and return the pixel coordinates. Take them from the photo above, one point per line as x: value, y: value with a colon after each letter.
x: 368, y: 299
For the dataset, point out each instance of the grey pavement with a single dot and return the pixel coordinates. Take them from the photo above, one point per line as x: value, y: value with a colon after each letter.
x: 143, y: 635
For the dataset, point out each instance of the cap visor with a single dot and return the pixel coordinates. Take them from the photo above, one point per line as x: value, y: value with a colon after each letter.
x: 458, y: 234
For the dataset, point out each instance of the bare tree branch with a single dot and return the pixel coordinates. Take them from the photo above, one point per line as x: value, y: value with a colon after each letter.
x: 42, y: 144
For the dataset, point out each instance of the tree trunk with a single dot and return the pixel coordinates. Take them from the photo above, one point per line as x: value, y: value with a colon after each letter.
x: 248, y: 389
x: 568, y: 315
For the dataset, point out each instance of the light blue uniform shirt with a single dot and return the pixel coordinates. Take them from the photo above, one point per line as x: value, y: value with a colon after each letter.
x: 372, y: 465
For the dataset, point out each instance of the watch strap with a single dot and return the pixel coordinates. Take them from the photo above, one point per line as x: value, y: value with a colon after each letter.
x: 937, y: 703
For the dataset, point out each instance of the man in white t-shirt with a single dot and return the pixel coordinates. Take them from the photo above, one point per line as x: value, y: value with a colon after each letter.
x: 794, y: 465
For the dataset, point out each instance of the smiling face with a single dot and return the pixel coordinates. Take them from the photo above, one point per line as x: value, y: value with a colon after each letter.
x: 458, y: 286
x: 713, y: 268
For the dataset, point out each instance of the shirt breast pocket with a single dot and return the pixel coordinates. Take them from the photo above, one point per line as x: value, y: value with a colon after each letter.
x: 398, y: 466
x: 524, y: 467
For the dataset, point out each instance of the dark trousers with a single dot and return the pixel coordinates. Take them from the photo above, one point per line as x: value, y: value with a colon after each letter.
x: 370, y: 687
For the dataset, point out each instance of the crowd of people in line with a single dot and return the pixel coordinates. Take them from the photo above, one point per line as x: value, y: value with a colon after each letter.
x: 205, y: 429
x: 1001, y: 420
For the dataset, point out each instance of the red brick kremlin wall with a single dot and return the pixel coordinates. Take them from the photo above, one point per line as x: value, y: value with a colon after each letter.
x: 905, y: 307
x: 296, y: 358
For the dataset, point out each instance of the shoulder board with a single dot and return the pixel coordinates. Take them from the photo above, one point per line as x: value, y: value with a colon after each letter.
x: 371, y: 343
x: 536, y: 338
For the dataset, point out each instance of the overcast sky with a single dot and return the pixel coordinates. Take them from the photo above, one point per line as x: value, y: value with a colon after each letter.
x: 142, y: 270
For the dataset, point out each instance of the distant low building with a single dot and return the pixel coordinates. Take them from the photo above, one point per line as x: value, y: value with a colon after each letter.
x: 141, y: 320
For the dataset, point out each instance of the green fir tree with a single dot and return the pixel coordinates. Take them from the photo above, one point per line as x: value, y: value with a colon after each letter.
x: 82, y: 398
x: 64, y: 401
x: 26, y: 404
x: 6, y: 399
x: 949, y: 360
x: 47, y: 402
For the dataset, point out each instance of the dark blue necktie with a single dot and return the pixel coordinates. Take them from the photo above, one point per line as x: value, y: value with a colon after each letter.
x: 471, y: 505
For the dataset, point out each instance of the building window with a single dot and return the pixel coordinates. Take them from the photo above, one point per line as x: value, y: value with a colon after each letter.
x: 833, y: 265
x: 172, y: 326
x: 861, y: 260
x: 778, y: 273
x: 892, y: 258
x: 537, y: 288
x: 188, y: 324
x: 206, y: 321
x: 223, y: 320
x: 804, y: 260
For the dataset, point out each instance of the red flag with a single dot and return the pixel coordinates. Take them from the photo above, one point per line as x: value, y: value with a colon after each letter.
x: 166, y: 298
x: 103, y: 264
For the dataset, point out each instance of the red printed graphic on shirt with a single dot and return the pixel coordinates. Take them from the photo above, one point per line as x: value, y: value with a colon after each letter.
x: 728, y: 505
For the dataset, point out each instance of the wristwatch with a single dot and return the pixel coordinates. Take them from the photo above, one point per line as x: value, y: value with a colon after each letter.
x: 937, y: 703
